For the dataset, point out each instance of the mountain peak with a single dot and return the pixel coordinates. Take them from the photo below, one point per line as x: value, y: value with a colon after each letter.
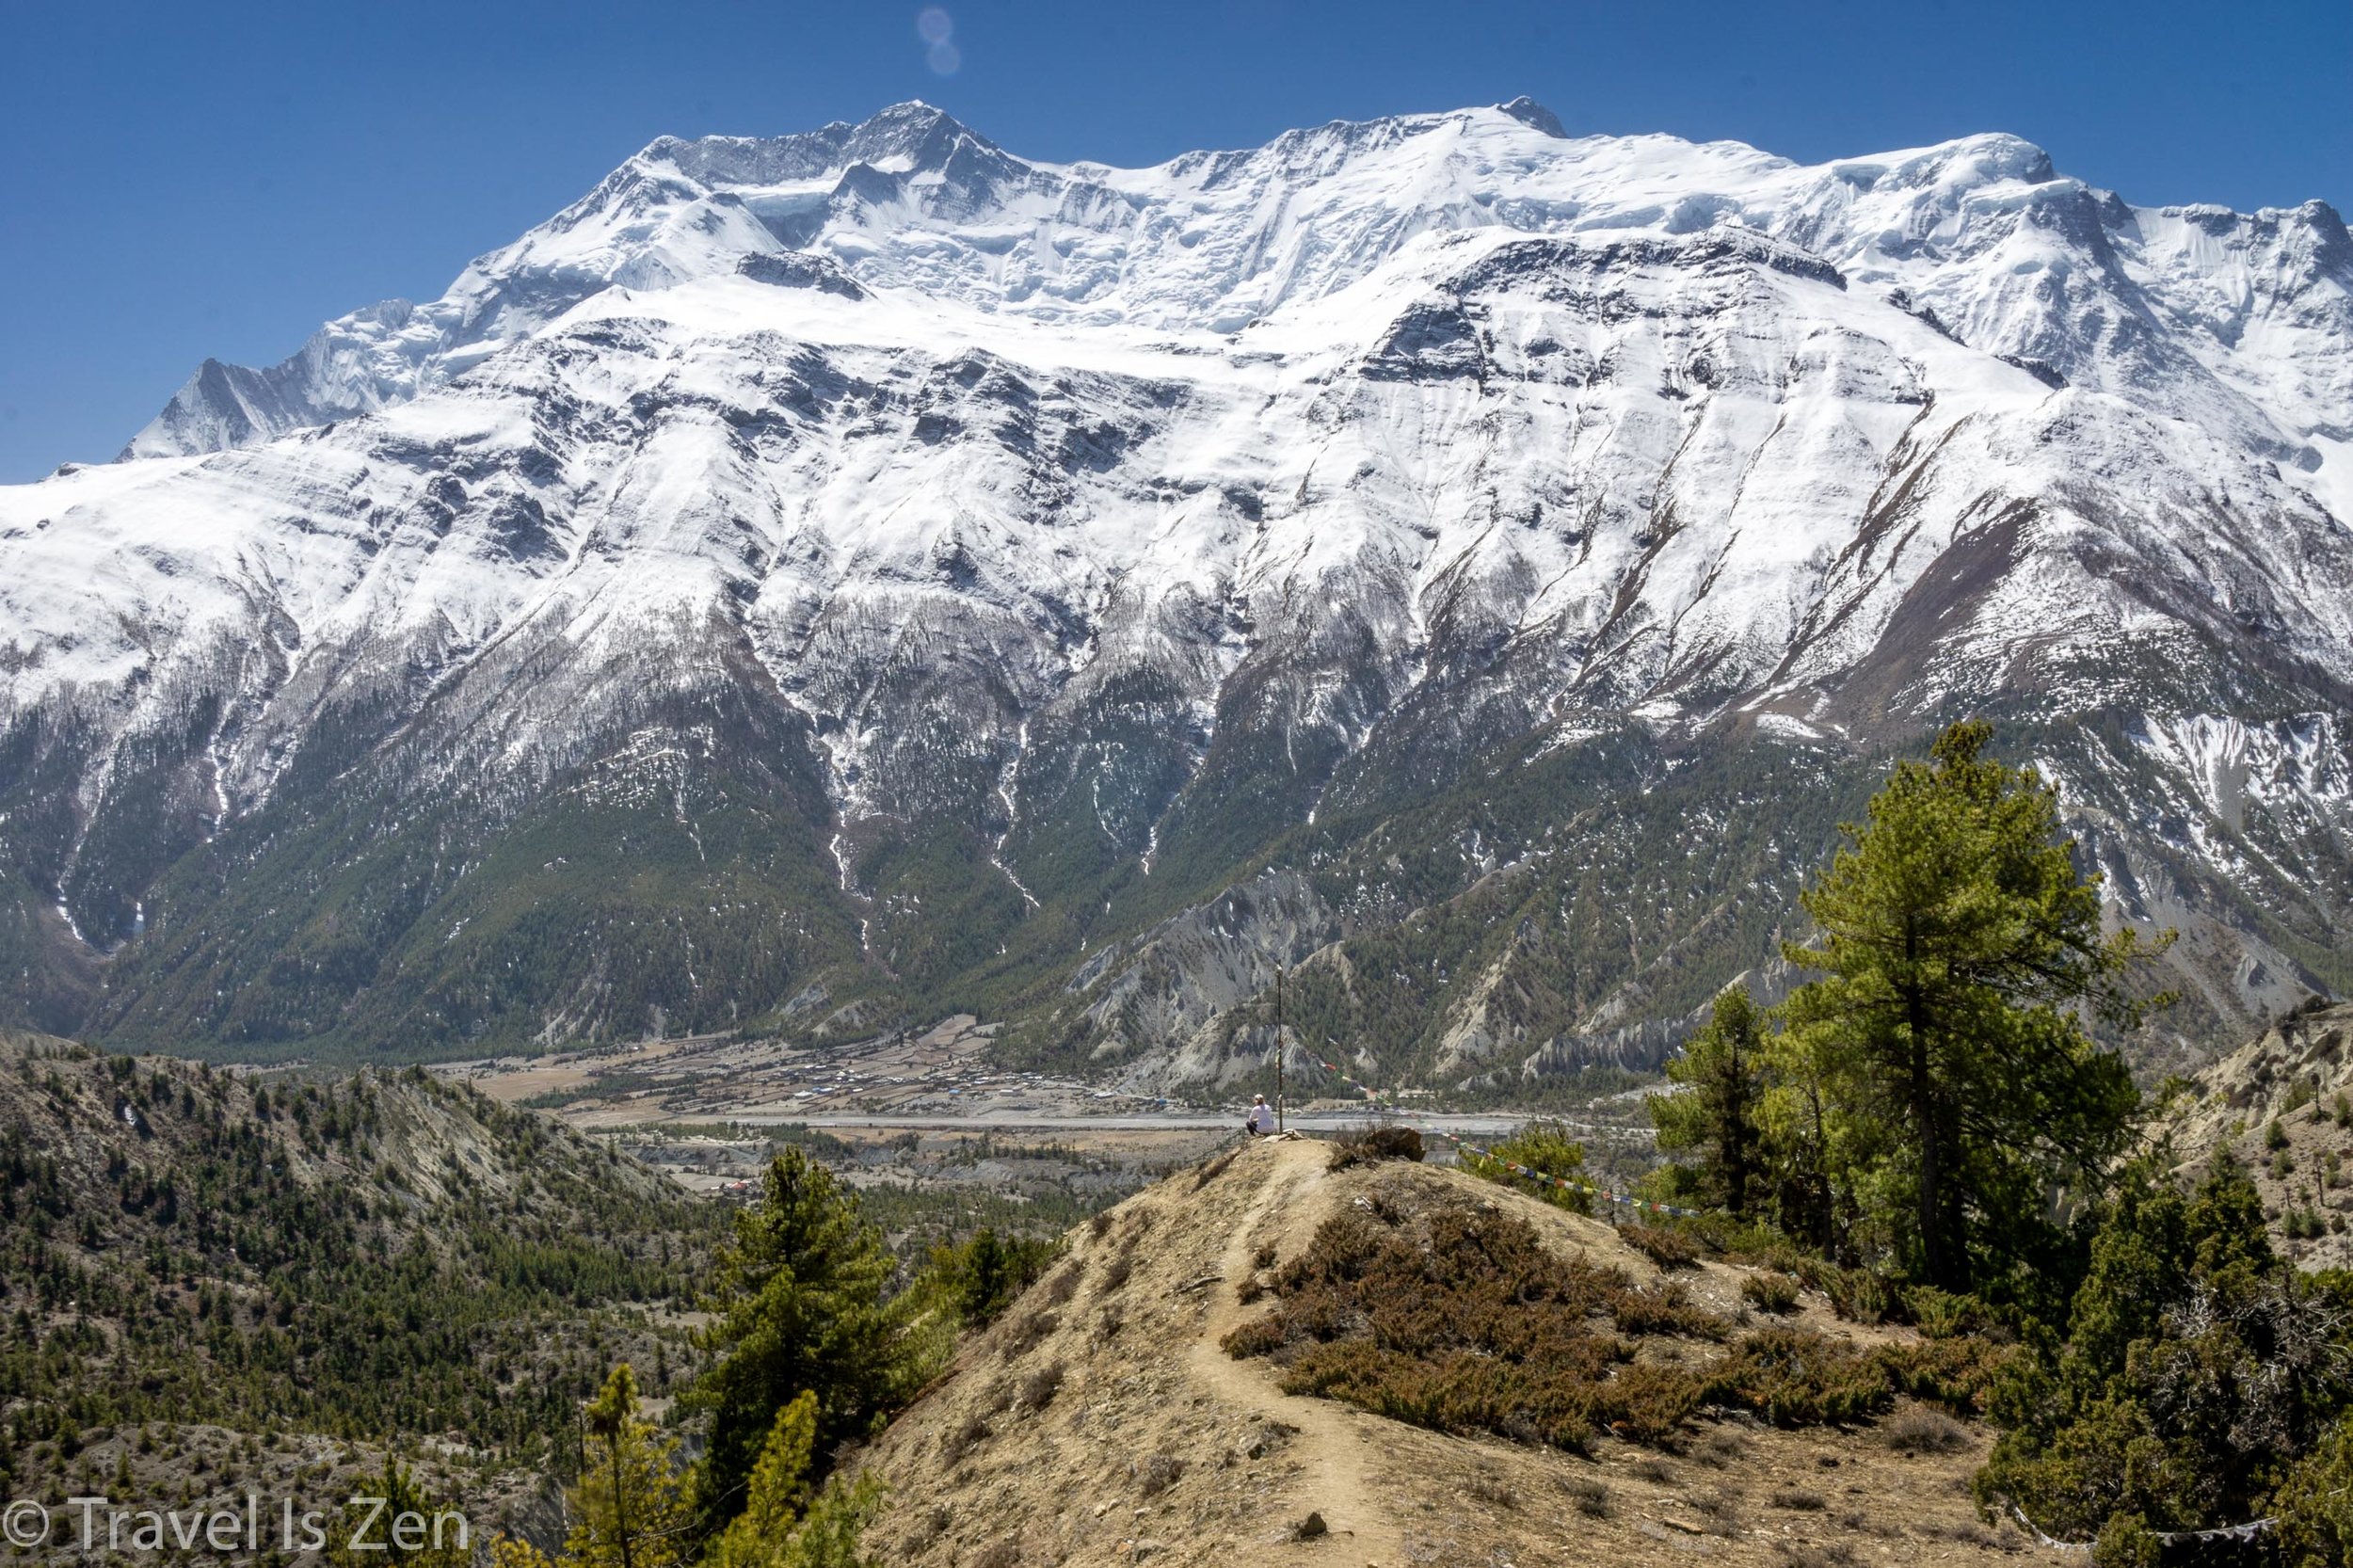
x: 1528, y: 112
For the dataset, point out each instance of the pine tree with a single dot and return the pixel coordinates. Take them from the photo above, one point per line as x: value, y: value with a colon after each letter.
x: 1547, y: 1147
x: 1959, y: 946
x: 2201, y: 1372
x: 626, y: 1502
x: 782, y: 1525
x: 799, y: 1299
x: 445, y: 1541
x: 777, y: 1492
x: 507, y: 1551
x: 1721, y: 1071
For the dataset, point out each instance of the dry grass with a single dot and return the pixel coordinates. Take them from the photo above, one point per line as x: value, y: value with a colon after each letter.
x: 1213, y: 1169
x: 1493, y: 1490
x: 1039, y: 1388
x: 1027, y: 1331
x: 1005, y: 1553
x: 963, y: 1438
x: 1077, y: 1482
x: 1063, y: 1283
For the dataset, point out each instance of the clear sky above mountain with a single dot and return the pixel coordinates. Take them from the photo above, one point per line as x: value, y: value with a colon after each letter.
x: 188, y: 181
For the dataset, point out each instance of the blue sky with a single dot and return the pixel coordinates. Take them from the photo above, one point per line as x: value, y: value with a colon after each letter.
x: 197, y: 178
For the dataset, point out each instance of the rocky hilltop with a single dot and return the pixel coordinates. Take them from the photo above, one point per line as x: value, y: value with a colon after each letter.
x: 826, y: 581
x: 2282, y: 1105
x: 1105, y: 1420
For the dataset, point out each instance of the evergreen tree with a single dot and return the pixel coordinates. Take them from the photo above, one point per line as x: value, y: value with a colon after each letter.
x: 981, y: 1277
x: 781, y: 1525
x: 445, y: 1544
x: 1722, y: 1072
x: 2201, y: 1372
x: 627, y: 1505
x: 778, y: 1489
x: 1543, y: 1146
x: 1959, y: 946
x: 828, y: 1534
x: 507, y: 1551
x: 799, y: 1299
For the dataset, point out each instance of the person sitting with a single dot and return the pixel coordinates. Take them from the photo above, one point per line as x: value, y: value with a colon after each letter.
x: 1261, y: 1117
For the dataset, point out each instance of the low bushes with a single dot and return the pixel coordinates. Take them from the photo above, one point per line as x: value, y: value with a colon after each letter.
x: 1457, y: 1319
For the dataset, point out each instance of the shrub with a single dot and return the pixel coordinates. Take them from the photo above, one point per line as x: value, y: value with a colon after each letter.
x: 1794, y: 1377
x: 1380, y: 1143
x: 1460, y: 1321
x: 1958, y: 1373
x: 1859, y: 1295
x: 1925, y: 1432
x: 1798, y: 1500
x: 1667, y: 1310
x: 1156, y: 1473
x: 1776, y: 1293
x: 1940, y: 1314
x: 2275, y: 1136
x: 1667, y: 1248
x: 1589, y: 1498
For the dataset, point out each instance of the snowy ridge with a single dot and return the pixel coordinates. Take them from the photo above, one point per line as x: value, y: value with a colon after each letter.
x: 1075, y: 510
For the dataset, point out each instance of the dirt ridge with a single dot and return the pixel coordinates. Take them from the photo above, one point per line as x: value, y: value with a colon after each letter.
x: 1102, y: 1422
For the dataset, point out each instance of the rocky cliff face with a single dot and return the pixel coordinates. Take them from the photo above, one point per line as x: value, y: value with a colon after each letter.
x: 868, y: 566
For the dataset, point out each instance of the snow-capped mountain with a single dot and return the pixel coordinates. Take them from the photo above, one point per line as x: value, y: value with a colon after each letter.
x: 816, y: 578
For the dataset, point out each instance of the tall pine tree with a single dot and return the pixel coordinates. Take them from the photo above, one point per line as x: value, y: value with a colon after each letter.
x: 1960, y: 947
x: 800, y: 1310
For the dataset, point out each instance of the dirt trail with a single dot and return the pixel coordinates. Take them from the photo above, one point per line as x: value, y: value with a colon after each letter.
x: 1100, y: 1424
x: 1332, y: 1447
